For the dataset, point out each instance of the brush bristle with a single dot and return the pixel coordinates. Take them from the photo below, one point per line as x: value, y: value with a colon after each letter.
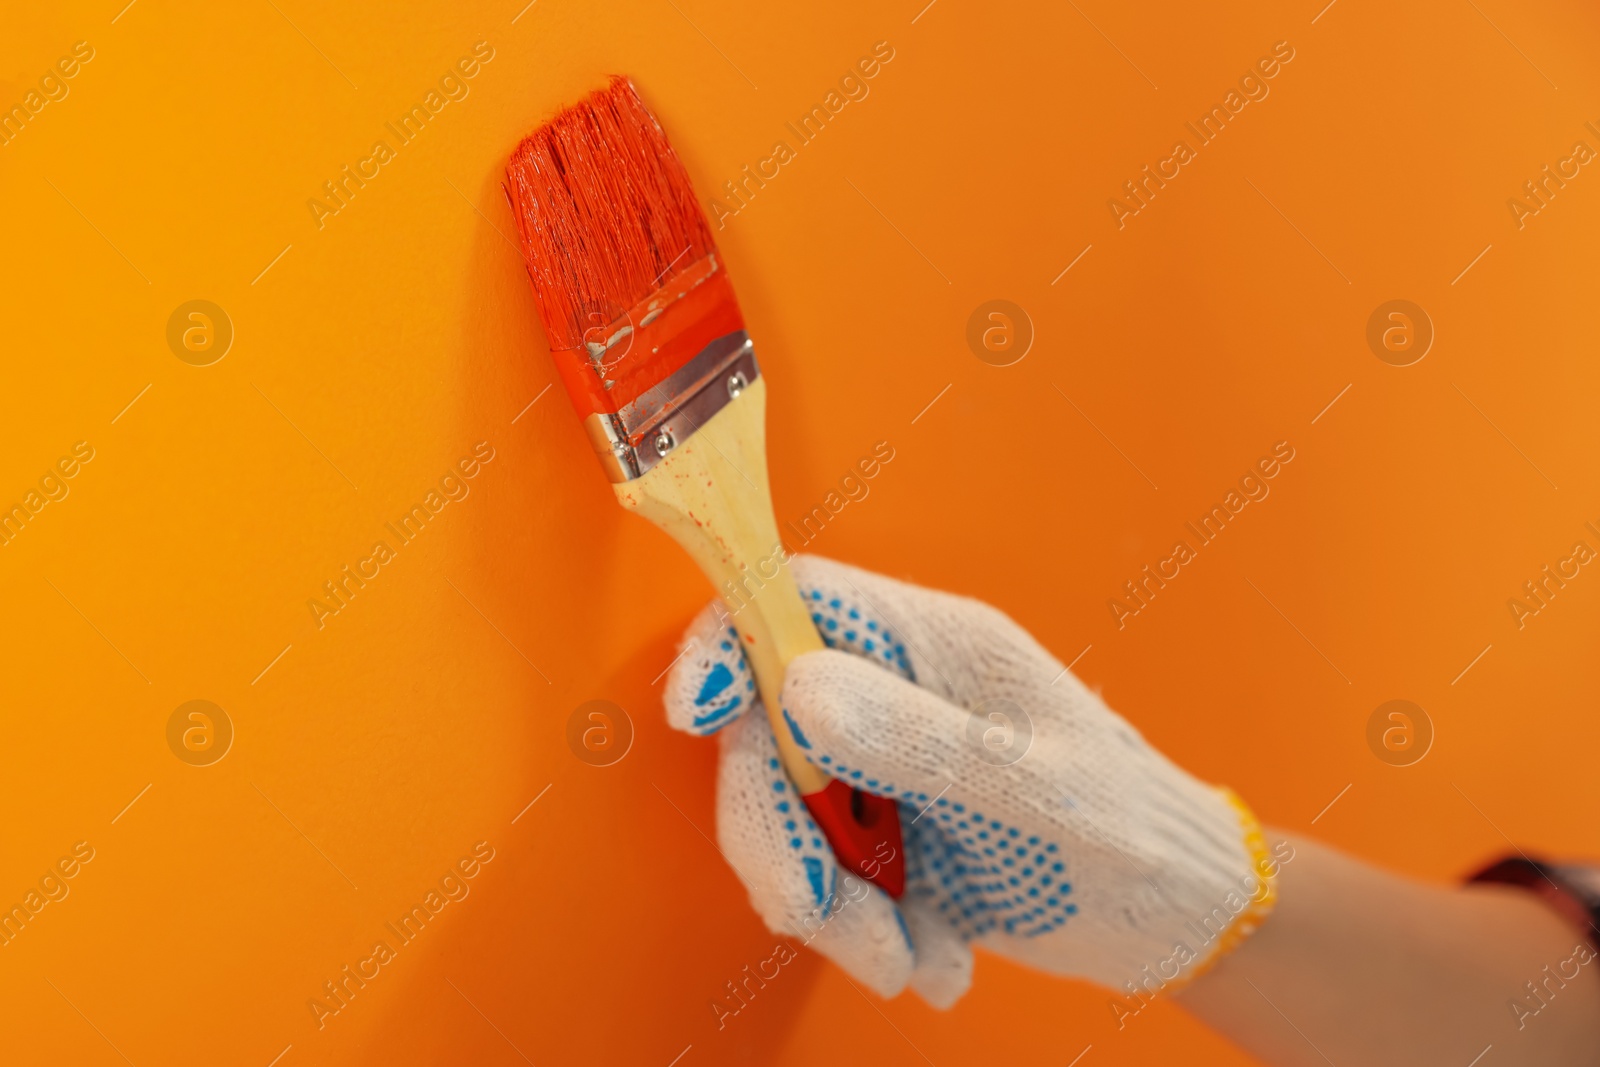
x: 605, y: 210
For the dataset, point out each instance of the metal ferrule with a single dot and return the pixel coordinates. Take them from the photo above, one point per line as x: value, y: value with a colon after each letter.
x: 644, y: 432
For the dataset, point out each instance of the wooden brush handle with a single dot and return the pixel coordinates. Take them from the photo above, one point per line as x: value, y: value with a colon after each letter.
x: 710, y: 493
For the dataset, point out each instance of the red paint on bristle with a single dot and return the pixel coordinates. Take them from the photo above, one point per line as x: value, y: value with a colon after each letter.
x: 609, y: 221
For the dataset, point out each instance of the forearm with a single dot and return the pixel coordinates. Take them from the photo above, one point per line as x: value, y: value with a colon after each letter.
x: 1360, y: 966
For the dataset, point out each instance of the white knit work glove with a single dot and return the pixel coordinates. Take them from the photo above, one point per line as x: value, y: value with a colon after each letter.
x: 1037, y: 821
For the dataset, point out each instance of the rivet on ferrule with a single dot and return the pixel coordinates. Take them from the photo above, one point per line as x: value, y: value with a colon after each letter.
x: 637, y: 436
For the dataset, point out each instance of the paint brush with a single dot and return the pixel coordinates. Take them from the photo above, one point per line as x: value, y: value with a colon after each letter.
x: 649, y: 341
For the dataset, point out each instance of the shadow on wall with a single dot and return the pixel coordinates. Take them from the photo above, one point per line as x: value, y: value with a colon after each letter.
x: 607, y: 923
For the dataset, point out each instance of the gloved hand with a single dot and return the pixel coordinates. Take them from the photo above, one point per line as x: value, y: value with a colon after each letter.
x: 1037, y: 822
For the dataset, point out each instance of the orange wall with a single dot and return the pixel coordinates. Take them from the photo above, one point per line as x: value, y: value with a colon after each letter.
x: 382, y: 346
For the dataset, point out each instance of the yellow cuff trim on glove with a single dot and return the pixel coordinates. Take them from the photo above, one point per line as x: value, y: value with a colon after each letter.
x: 1265, y: 870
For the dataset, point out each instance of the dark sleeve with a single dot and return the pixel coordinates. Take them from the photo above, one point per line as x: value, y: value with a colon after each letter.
x: 1573, y: 890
